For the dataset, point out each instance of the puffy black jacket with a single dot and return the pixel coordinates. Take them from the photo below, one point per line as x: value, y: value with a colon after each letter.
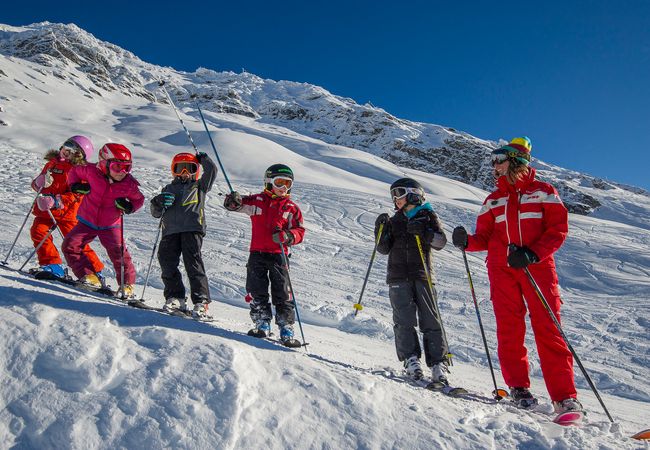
x: 404, y: 260
x: 187, y: 212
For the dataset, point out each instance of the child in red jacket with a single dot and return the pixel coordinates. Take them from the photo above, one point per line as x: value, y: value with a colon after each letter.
x: 276, y: 221
x: 56, y: 199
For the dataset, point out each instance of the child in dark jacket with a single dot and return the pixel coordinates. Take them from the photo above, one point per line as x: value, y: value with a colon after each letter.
x: 276, y: 221
x: 412, y: 298
x: 181, y: 204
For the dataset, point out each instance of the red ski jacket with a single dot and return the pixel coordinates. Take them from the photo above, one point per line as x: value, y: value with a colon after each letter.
x: 69, y: 202
x: 269, y: 214
x: 528, y: 213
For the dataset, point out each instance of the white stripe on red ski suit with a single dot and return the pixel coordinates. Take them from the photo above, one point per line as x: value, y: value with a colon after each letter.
x: 529, y: 213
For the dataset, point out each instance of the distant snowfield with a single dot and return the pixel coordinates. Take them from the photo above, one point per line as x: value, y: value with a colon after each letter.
x: 80, y: 372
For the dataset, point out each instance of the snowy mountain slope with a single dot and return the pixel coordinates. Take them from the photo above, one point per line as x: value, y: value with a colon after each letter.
x: 99, y: 68
x: 141, y: 377
x: 84, y: 373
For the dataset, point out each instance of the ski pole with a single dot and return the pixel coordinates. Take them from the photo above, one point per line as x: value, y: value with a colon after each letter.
x: 285, y: 260
x: 214, y: 148
x: 433, y: 305
x: 357, y: 306
x: 22, y: 226
x: 49, y: 212
x: 40, y: 244
x: 153, y: 252
x: 559, y: 328
x: 161, y: 83
x: 498, y: 393
x: 122, y: 296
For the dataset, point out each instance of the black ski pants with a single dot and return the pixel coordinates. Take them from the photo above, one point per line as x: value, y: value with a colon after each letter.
x: 262, y: 268
x: 189, y: 245
x: 412, y: 303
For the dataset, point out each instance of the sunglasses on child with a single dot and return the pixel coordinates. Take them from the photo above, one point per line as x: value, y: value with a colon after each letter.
x: 116, y: 166
x: 185, y: 167
x: 401, y: 192
x: 282, y: 182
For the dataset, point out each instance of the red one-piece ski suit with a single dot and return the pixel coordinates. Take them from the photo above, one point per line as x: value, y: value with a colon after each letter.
x: 528, y: 213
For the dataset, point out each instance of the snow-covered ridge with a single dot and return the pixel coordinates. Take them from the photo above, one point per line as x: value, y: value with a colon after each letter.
x: 70, y: 53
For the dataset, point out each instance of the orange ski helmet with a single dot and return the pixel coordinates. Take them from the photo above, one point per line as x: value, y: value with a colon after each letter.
x: 186, y: 163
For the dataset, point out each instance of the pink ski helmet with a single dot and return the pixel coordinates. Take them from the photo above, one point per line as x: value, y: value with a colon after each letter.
x: 84, y: 144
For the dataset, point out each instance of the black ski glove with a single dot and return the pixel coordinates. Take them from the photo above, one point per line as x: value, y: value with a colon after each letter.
x: 520, y: 257
x: 165, y: 199
x: 233, y: 201
x: 459, y: 237
x: 80, y: 188
x: 382, y: 218
x: 124, y: 204
x: 200, y: 156
x: 283, y: 237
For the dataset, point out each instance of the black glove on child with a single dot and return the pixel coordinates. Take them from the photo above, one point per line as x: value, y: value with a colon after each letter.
x: 233, y: 201
x: 520, y: 257
x: 459, y: 237
x: 283, y: 237
x: 80, y: 188
x: 383, y: 218
x: 124, y: 204
x: 200, y: 156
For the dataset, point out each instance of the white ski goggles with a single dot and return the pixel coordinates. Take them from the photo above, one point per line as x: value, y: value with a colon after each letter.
x: 401, y: 192
x: 281, y: 182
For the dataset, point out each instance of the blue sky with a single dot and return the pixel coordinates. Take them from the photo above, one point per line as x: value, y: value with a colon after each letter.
x: 574, y: 75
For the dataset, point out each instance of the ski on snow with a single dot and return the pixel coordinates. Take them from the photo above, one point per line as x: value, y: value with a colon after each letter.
x: 291, y: 343
x: 450, y: 391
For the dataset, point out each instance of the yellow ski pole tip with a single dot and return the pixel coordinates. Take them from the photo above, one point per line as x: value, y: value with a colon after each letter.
x: 357, y: 306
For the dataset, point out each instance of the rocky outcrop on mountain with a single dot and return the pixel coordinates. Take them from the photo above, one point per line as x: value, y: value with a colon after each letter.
x: 66, y: 50
x: 69, y: 53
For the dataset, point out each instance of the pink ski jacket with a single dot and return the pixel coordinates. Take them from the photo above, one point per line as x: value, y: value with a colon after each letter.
x: 98, y: 208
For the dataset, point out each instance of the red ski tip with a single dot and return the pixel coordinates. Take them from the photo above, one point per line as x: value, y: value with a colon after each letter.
x: 642, y: 435
x: 569, y: 418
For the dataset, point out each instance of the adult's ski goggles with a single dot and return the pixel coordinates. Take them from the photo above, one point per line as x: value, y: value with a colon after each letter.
x: 282, y: 182
x: 401, y: 192
x: 116, y: 166
x: 181, y: 168
x: 499, y: 158
x: 502, y: 154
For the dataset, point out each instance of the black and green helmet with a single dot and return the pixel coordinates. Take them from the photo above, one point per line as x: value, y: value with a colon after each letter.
x: 278, y: 170
x: 274, y: 171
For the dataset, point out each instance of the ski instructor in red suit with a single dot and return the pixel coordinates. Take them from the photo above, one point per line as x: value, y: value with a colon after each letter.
x: 522, y: 224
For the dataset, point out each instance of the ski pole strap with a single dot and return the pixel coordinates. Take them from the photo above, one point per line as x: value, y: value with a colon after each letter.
x: 214, y: 148
x: 357, y: 306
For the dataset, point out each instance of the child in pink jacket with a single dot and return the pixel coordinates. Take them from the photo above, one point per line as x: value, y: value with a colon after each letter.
x: 110, y: 191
